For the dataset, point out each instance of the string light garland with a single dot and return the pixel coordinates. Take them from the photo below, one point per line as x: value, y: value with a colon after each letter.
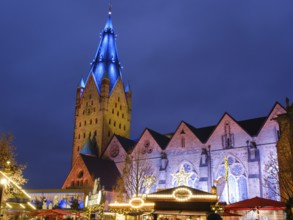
x: 183, y: 194
x: 135, y: 204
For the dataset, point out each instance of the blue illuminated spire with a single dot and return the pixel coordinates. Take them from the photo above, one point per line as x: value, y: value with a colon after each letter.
x: 106, y: 63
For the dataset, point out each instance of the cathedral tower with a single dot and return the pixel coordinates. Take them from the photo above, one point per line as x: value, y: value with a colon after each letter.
x: 103, y: 102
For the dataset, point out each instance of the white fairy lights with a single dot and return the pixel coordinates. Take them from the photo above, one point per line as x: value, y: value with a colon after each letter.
x: 183, y: 194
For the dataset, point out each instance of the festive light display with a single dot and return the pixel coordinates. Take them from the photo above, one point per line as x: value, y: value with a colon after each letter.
x: 182, y: 177
x: 149, y: 182
x: 135, y: 204
x: 183, y: 194
x: 15, y: 184
x: 31, y: 205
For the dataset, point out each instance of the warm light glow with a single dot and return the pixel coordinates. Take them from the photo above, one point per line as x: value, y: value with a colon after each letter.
x: 135, y: 203
x: 32, y: 206
x: 188, y: 195
x: 15, y: 184
x: 86, y: 201
x: 4, y: 181
x: 182, y: 194
x: 22, y: 206
x: 8, y: 205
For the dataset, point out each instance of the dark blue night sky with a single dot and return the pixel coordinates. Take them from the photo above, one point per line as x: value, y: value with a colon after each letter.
x: 188, y: 60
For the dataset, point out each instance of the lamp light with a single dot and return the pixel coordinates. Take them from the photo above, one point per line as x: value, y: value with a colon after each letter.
x: 4, y: 181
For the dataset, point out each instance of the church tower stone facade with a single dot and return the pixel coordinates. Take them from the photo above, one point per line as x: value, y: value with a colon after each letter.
x: 103, y: 101
x: 285, y: 153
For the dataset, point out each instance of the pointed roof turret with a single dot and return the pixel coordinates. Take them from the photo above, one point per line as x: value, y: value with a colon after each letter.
x: 127, y: 88
x: 106, y: 63
x: 81, y: 83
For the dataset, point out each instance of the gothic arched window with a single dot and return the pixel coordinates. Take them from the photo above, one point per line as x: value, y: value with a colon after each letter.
x: 185, y: 175
x: 235, y: 187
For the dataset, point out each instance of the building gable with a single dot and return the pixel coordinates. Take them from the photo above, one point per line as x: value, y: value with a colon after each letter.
x: 79, y: 176
x: 184, y: 139
x: 148, y: 145
x: 270, y: 132
x: 228, y: 134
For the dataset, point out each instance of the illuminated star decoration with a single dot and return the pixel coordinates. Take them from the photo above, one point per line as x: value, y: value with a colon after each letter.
x: 149, y: 182
x: 181, y: 177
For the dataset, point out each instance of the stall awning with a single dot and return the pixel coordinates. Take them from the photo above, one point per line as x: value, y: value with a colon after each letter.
x: 256, y: 203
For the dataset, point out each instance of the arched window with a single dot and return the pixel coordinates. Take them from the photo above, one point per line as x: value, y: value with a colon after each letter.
x: 185, y: 175
x: 235, y: 187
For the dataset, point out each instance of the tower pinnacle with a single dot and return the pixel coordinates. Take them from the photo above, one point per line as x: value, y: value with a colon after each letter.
x: 106, y: 62
x: 110, y: 7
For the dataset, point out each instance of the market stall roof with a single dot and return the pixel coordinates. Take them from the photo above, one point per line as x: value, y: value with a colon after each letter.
x: 182, y: 194
x: 182, y: 200
x: 256, y: 203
